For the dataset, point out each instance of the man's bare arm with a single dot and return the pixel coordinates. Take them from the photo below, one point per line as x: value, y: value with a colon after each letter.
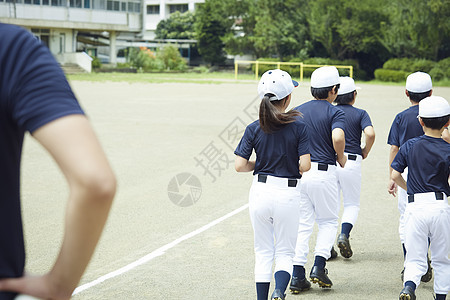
x: 72, y: 143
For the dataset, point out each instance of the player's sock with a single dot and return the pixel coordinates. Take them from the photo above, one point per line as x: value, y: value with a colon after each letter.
x: 346, y: 228
x: 441, y: 296
x: 411, y: 284
x: 404, y: 251
x: 320, y: 262
x: 299, y: 272
x: 262, y: 290
x: 282, y: 279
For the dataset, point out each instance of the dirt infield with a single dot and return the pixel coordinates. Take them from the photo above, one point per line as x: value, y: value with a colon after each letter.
x: 154, y: 132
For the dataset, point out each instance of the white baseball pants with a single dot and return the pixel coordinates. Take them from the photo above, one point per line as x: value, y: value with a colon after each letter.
x: 349, y: 182
x: 320, y: 203
x: 426, y: 218
x: 402, y: 201
x: 274, y: 213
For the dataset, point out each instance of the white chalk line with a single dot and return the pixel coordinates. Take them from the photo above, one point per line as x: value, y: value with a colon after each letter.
x: 156, y: 253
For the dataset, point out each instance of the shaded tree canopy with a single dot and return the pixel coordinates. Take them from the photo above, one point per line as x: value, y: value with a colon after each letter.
x: 369, y: 31
x: 177, y: 26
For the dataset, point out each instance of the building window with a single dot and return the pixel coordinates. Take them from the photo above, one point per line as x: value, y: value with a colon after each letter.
x: 87, y: 4
x: 113, y: 5
x: 178, y: 7
x: 152, y: 9
x: 42, y: 34
x: 75, y: 3
x: 134, y: 7
x: 58, y: 3
x: 124, y: 6
x: 45, y: 2
x: 98, y: 4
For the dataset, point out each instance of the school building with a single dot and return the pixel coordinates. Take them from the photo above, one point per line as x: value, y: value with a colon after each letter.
x: 72, y: 28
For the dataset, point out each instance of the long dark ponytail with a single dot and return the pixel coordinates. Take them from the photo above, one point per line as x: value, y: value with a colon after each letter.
x: 270, y: 117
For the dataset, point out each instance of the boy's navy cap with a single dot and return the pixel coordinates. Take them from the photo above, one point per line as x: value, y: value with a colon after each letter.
x: 434, y: 107
x: 324, y: 77
x: 418, y: 82
x: 276, y: 82
x: 347, y: 85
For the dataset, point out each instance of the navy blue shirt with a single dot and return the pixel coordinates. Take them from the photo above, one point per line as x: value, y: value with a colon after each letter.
x: 277, y: 153
x: 405, y: 126
x: 428, y: 162
x: 356, y: 120
x: 322, y: 117
x: 33, y: 92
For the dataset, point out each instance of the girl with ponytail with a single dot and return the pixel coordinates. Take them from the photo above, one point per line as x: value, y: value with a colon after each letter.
x: 281, y: 143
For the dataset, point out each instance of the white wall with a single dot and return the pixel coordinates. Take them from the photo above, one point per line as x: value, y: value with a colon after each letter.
x: 44, y: 16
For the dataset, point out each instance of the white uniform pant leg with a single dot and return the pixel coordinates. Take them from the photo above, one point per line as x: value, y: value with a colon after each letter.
x: 274, y: 213
x: 416, y: 243
x: 349, y: 181
x: 326, y: 203
x: 402, y: 201
x: 286, y: 215
x: 305, y: 224
x: 260, y: 209
x: 440, y: 250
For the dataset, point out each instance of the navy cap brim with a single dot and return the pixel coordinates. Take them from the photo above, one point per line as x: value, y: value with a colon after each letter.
x: 295, y: 83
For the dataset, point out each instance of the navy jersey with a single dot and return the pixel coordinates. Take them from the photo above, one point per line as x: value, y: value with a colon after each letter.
x: 356, y: 120
x: 33, y: 92
x: 405, y: 126
x: 321, y: 118
x: 428, y: 162
x: 277, y: 153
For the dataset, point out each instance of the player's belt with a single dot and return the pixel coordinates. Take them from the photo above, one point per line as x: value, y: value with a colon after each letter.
x: 322, y: 167
x: 290, y: 182
x: 352, y: 156
x: 437, y: 195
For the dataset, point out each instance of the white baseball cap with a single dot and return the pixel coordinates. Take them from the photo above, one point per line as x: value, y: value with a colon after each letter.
x: 418, y: 82
x: 324, y: 77
x: 276, y: 82
x: 434, y: 107
x: 347, y: 85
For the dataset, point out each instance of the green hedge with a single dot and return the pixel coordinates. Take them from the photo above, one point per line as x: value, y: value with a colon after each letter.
x: 441, y: 70
x: 410, y: 65
x: 392, y: 69
x: 390, y: 75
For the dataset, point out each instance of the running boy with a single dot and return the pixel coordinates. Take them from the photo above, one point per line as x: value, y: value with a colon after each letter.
x: 427, y: 214
x: 405, y: 127
x: 319, y: 195
x: 349, y: 178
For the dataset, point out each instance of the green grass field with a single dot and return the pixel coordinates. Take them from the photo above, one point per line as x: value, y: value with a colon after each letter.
x: 206, y: 78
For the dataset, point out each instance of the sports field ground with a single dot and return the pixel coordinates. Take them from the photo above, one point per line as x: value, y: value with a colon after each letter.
x: 179, y: 227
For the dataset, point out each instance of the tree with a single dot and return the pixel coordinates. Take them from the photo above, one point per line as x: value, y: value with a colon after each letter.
x: 280, y: 28
x: 417, y: 28
x: 177, y: 26
x: 211, y: 27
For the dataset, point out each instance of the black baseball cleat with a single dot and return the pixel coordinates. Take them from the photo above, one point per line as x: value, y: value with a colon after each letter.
x: 333, y: 254
x: 429, y: 274
x: 320, y: 277
x: 299, y: 285
x: 344, y: 246
x: 407, y: 294
x: 277, y: 295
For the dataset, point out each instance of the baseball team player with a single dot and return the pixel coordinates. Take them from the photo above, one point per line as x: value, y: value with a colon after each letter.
x: 319, y: 195
x: 281, y: 143
x: 427, y: 213
x: 404, y: 127
x: 35, y: 97
x: 349, y: 178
